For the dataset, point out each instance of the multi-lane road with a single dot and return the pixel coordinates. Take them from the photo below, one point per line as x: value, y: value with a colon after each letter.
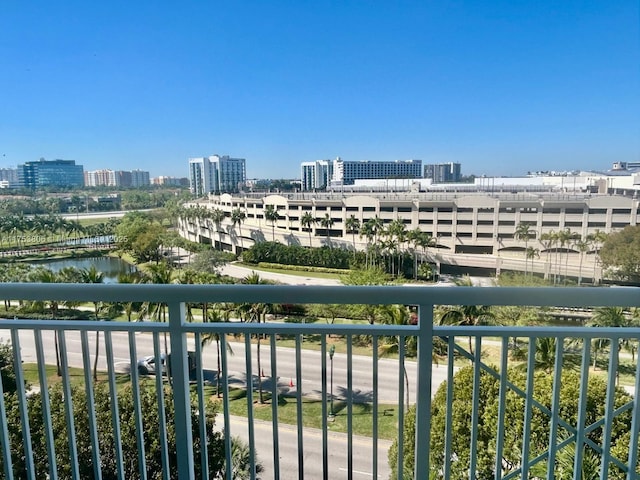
x: 311, y: 366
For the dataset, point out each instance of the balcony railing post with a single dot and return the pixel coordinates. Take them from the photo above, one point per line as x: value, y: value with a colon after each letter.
x: 181, y: 397
x: 423, y: 394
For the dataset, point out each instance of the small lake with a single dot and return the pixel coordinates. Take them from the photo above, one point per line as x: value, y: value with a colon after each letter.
x: 111, y: 267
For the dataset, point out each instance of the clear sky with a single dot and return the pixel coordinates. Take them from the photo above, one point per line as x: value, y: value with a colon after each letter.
x: 500, y: 86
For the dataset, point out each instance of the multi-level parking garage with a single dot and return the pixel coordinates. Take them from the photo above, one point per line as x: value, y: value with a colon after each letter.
x: 470, y: 230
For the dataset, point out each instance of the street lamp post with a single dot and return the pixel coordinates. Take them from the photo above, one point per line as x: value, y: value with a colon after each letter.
x: 332, y: 350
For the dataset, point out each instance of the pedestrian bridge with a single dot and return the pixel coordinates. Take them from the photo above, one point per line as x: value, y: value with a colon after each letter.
x: 504, y: 416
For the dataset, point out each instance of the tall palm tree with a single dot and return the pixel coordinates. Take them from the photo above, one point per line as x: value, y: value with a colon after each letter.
x: 597, y: 239
x: 531, y: 253
x: 257, y: 313
x: 327, y: 223
x: 397, y: 315
x: 352, y: 225
x: 93, y: 275
x: 564, y: 238
x: 216, y: 316
x: 307, y: 220
x: 238, y: 216
x: 583, y: 246
x: 523, y: 232
x: 271, y: 215
x: 217, y: 216
x: 158, y: 274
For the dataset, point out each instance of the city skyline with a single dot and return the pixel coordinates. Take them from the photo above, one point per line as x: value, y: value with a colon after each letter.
x: 501, y: 88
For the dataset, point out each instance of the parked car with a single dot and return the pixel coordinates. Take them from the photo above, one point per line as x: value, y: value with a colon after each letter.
x: 147, y: 365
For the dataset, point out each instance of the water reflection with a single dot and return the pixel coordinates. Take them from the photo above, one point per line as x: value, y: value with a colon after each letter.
x: 111, y: 267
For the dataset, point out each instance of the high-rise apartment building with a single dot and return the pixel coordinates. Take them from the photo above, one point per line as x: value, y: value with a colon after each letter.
x: 46, y: 173
x: 443, y: 172
x: 316, y: 175
x: 99, y: 178
x: 346, y: 172
x: 140, y: 178
x: 216, y: 174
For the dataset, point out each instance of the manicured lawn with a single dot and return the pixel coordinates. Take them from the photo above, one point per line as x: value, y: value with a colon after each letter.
x: 332, y: 276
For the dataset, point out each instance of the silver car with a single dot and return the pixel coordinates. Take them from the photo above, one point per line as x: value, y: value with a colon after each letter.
x: 147, y: 365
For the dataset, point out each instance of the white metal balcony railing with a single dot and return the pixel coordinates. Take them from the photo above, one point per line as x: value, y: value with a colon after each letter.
x: 28, y: 346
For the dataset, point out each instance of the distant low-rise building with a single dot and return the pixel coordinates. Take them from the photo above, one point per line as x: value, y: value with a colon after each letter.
x: 170, y: 181
x: 8, y: 177
x: 50, y: 173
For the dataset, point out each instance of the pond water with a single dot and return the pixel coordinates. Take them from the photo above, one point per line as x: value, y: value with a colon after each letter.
x: 111, y: 267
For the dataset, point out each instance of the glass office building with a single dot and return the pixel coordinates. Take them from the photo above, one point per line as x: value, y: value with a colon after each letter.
x: 47, y: 173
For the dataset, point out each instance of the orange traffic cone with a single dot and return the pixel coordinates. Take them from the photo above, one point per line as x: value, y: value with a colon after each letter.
x: 291, y: 382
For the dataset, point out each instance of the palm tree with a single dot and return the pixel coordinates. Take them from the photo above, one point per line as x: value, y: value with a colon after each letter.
x: 271, y: 215
x: 397, y: 315
x: 307, y: 220
x: 158, y: 274
x: 564, y: 237
x: 217, y: 216
x: 92, y: 275
x: 353, y: 225
x: 237, y: 217
x: 523, y: 230
x: 597, y: 239
x: 530, y: 254
x: 612, y: 317
x: 467, y: 315
x: 257, y: 313
x: 583, y: 246
x: 327, y: 223
x: 216, y: 316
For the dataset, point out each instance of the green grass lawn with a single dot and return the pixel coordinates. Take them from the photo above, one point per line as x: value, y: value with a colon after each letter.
x: 297, y: 273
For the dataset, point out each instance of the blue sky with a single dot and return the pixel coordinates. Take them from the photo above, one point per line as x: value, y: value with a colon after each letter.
x: 502, y: 87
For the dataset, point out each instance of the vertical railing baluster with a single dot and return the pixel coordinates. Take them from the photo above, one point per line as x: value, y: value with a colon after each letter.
x: 204, y: 447
x: 582, y: 404
x: 528, y: 406
x: 325, y: 436
x: 349, y: 406
x: 252, y: 437
x: 374, y: 342
x: 635, y: 426
x: 501, y: 408
x: 137, y: 407
x: 68, y: 407
x: 5, y: 442
x: 181, y: 395
x: 555, y: 409
x: 226, y: 407
x: 115, y: 409
x: 22, y: 402
x: 162, y: 416
x: 46, y: 406
x: 274, y: 406
x: 423, y: 394
x: 400, y: 459
x: 475, y: 409
x: 88, y: 387
x: 448, y: 422
x: 299, y: 413
x: 609, y: 408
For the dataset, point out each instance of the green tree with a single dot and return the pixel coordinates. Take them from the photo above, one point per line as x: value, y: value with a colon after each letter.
x: 327, y: 223
x: 92, y: 275
x: 307, y: 221
x: 468, y: 316
x: 620, y: 253
x: 461, y: 408
x: 271, y: 215
x: 238, y: 217
x: 352, y: 225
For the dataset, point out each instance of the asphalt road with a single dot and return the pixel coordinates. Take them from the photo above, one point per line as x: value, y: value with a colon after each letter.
x: 362, y: 367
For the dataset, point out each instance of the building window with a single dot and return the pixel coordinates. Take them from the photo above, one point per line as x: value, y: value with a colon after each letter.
x: 426, y: 209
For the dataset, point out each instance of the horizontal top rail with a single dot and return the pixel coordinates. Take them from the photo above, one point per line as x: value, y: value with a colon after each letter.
x: 407, y: 295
